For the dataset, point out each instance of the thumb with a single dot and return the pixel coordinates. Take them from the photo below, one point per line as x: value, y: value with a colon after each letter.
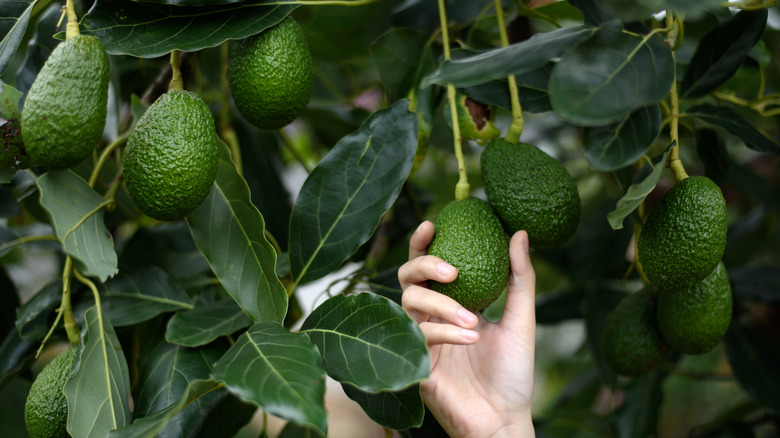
x: 521, y: 291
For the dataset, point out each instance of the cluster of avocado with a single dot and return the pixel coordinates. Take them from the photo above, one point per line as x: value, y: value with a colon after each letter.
x: 46, y: 408
x: 680, y: 249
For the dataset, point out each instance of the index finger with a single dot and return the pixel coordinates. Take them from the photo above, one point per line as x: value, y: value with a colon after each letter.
x: 418, y: 244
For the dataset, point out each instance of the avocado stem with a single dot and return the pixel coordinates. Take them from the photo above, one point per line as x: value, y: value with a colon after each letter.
x: 674, y: 158
x: 72, y: 28
x: 71, y: 327
x: 516, y: 128
x: 177, y: 83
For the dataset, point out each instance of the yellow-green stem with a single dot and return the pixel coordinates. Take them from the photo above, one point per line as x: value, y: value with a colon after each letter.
x: 26, y: 239
x: 674, y: 158
x: 104, y: 157
x: 71, y: 327
x: 516, y: 128
x: 72, y: 28
x: 177, y: 83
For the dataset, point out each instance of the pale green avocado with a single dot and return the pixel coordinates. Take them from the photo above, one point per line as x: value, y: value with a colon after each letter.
x: 684, y: 236
x: 271, y: 75
x: 46, y: 409
x: 171, y: 158
x: 531, y: 191
x: 470, y: 237
x: 65, y: 110
x: 694, y: 319
x: 632, y: 343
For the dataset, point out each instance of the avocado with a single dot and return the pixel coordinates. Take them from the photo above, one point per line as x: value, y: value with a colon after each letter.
x: 694, y: 319
x: 531, y: 191
x: 469, y: 236
x: 684, y: 236
x: 271, y: 75
x: 632, y: 343
x: 65, y: 110
x: 171, y: 158
x: 46, y: 409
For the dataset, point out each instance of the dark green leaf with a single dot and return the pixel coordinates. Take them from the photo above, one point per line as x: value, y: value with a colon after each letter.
x: 368, y: 341
x: 12, y: 401
x: 9, y: 102
x: 342, y: 200
x: 10, y: 134
x: 130, y: 298
x: 14, y: 352
x: 396, y: 55
x: 756, y: 282
x: 718, y: 116
x: 516, y: 59
x: 637, y: 192
x: 147, y: 30
x: 398, y: 410
x: 98, y: 390
x: 168, y: 246
x: 711, y: 149
x: 754, y: 361
x: 14, y: 16
x: 277, y: 370
x: 229, y: 231
x: 32, y: 318
x: 638, y: 416
x: 592, y: 13
x: 531, y: 87
x: 620, y: 144
x: 204, y: 324
x: 292, y: 430
x: 721, y: 52
x: 39, y: 47
x: 77, y: 214
x: 610, y: 75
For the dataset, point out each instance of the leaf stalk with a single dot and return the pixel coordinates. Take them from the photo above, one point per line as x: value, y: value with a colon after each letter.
x: 516, y: 128
x: 72, y: 28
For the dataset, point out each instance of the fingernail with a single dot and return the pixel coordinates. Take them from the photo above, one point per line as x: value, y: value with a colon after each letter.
x: 469, y: 335
x: 419, y: 227
x: 466, y: 316
x: 525, y: 244
x: 444, y: 269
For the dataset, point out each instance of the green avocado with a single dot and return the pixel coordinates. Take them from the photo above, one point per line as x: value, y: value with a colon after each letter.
x: 271, y: 75
x: 632, y: 344
x: 531, y: 191
x: 46, y: 409
x: 684, y: 236
x: 470, y: 237
x: 694, y: 319
x: 171, y: 158
x: 65, y: 110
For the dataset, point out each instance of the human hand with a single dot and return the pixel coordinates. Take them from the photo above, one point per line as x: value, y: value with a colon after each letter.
x: 482, y: 373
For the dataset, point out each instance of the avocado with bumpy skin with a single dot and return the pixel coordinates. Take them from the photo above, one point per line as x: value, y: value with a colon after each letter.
x: 65, y: 110
x: 46, y: 408
x: 469, y: 236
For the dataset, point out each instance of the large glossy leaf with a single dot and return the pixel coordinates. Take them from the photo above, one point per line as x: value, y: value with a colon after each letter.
x: 229, y: 231
x: 204, y: 324
x: 398, y: 410
x: 638, y: 416
x: 77, y: 214
x: 39, y: 47
x: 32, y: 318
x: 721, y: 52
x: 610, y: 75
x: 133, y: 297
x: 754, y: 360
x: 368, y: 341
x: 637, y: 192
x: 617, y: 145
x: 515, y: 59
x: 396, y: 55
x: 277, y: 370
x: 98, y: 389
x: 733, y: 123
x: 342, y: 200
x: 148, y: 30
x: 14, y: 16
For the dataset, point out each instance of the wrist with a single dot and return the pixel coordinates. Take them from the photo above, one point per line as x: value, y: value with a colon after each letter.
x: 519, y: 428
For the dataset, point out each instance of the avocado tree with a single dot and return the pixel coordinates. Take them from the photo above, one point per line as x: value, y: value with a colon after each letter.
x: 185, y: 326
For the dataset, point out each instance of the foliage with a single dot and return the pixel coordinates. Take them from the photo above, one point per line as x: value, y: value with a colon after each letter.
x: 202, y: 320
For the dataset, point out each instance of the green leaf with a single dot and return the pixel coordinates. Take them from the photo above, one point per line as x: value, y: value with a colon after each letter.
x: 592, y: 13
x: 396, y: 55
x: 610, y: 75
x: 368, y: 341
x: 516, y: 59
x: 754, y: 361
x: 638, y: 416
x: 643, y: 184
x: 718, y: 116
x: 292, y: 430
x: 14, y: 353
x: 342, y: 200
x: 721, y: 52
x: 14, y: 16
x: 98, y: 388
x: 10, y: 133
x: 40, y: 46
x: 147, y: 30
x: 32, y: 318
x: 77, y: 214
x: 617, y: 145
x: 757, y: 282
x: 150, y: 426
x: 279, y: 371
x: 398, y: 410
x: 204, y: 324
x: 168, y: 246
x: 229, y: 231
x: 9, y: 101
x: 130, y: 298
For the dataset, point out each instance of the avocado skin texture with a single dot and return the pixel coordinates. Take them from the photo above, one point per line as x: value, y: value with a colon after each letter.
x: 271, y: 75
x: 531, y: 191
x: 65, y: 110
x: 693, y: 320
x: 632, y: 343
x: 684, y: 236
x: 171, y: 158
x: 469, y: 236
x: 46, y: 409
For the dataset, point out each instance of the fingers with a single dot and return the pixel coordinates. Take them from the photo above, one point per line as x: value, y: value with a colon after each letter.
x: 437, y: 334
x: 418, y: 244
x: 441, y: 319
x: 421, y: 269
x: 521, y: 290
